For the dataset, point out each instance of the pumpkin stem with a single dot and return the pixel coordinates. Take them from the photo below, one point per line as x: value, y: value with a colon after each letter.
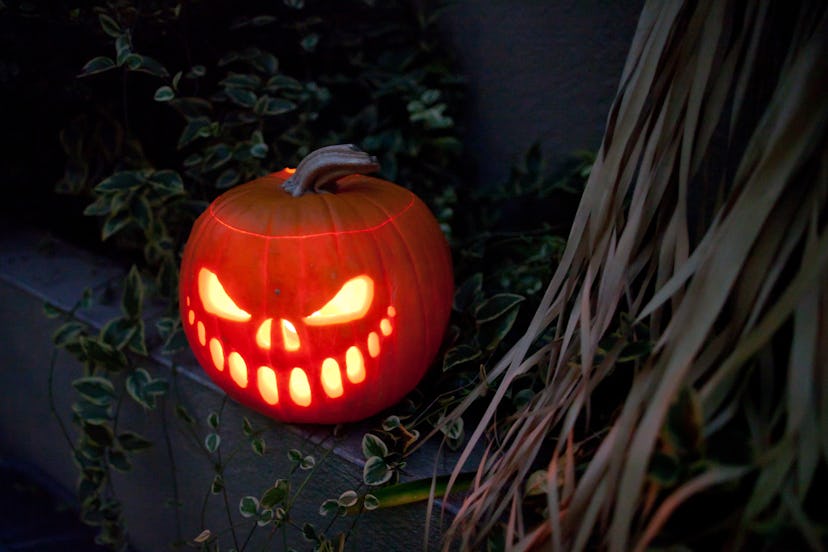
x: 326, y: 165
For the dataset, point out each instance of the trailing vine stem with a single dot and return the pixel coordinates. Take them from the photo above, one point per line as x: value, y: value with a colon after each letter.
x: 323, y: 167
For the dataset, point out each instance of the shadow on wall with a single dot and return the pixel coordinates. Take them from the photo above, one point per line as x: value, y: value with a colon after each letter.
x: 538, y: 71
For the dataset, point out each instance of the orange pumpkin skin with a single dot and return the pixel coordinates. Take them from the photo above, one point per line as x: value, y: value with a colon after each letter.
x: 291, y: 266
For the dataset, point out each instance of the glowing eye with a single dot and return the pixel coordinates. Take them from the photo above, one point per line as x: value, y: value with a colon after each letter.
x: 215, y: 298
x: 351, y: 302
x: 289, y: 336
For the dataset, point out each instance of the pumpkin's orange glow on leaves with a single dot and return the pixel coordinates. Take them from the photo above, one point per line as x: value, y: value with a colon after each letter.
x: 316, y: 307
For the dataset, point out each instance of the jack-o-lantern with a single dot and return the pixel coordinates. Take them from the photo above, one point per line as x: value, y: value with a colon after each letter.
x: 311, y: 305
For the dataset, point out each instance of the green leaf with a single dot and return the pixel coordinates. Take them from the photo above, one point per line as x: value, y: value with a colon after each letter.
x: 101, y: 206
x: 95, y: 389
x: 459, y: 355
x: 370, y: 502
x: 239, y: 80
x: 247, y: 427
x: 176, y: 341
x: 131, y: 441
x: 212, y: 442
x: 664, y: 469
x: 307, y: 463
x: 97, y: 65
x: 373, y: 446
x: 453, y: 430
x: 348, y: 499
x: 277, y: 106
x: 51, y: 311
x: 217, y: 485
x: 257, y: 21
x: 241, y: 96
x: 118, y: 332
x: 184, y: 415
x: 391, y: 423
x: 376, y: 471
x: 92, y: 413
x: 249, y: 506
x: 109, y: 26
x: 99, y: 434
x: 309, y: 532
x: 146, y: 64
x: 168, y: 182
x: 132, y: 299
x: 295, y: 456
x: 216, y: 156
x: 193, y: 130
x: 266, y: 517
x: 156, y: 388
x: 283, y: 82
x: 258, y: 445
x: 310, y: 42
x: 196, y: 71
x: 104, y: 355
x: 138, y: 342
x: 164, y: 94
x: 122, y: 180
x: 115, y: 223
x: 329, y: 506
x: 192, y: 160
x: 119, y: 460
x: 496, y: 306
x: 276, y: 494
x: 67, y: 333
x: 468, y: 293
x: 490, y: 334
x: 228, y: 178
x: 192, y: 108
x: 123, y: 48
x: 259, y: 151
x: 213, y: 420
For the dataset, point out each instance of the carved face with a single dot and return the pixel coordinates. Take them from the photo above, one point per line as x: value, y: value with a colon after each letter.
x: 324, y: 326
x: 282, y: 339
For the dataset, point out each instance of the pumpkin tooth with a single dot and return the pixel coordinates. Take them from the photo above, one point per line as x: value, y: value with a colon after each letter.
x: 266, y: 380
x: 354, y: 364
x: 299, y: 387
x: 331, y: 378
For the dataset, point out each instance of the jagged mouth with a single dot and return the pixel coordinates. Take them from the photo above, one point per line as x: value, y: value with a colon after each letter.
x: 348, y: 365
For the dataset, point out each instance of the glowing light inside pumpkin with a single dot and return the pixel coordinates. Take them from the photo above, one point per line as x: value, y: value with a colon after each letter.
x: 373, y: 345
x: 331, y: 378
x: 217, y: 354
x: 299, y: 387
x: 215, y: 298
x: 263, y: 334
x: 267, y: 384
x: 238, y: 369
x: 289, y: 336
x: 354, y: 365
x: 351, y: 302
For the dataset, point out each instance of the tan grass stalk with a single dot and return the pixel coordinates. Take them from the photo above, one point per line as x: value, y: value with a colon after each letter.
x: 713, y: 275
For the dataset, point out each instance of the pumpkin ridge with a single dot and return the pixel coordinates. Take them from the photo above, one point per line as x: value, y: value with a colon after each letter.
x: 377, y: 226
x: 415, y: 268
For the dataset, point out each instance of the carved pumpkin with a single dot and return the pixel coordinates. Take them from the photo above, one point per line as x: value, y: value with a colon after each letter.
x: 316, y: 307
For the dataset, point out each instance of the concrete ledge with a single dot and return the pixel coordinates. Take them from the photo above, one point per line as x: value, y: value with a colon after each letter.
x: 36, y: 268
